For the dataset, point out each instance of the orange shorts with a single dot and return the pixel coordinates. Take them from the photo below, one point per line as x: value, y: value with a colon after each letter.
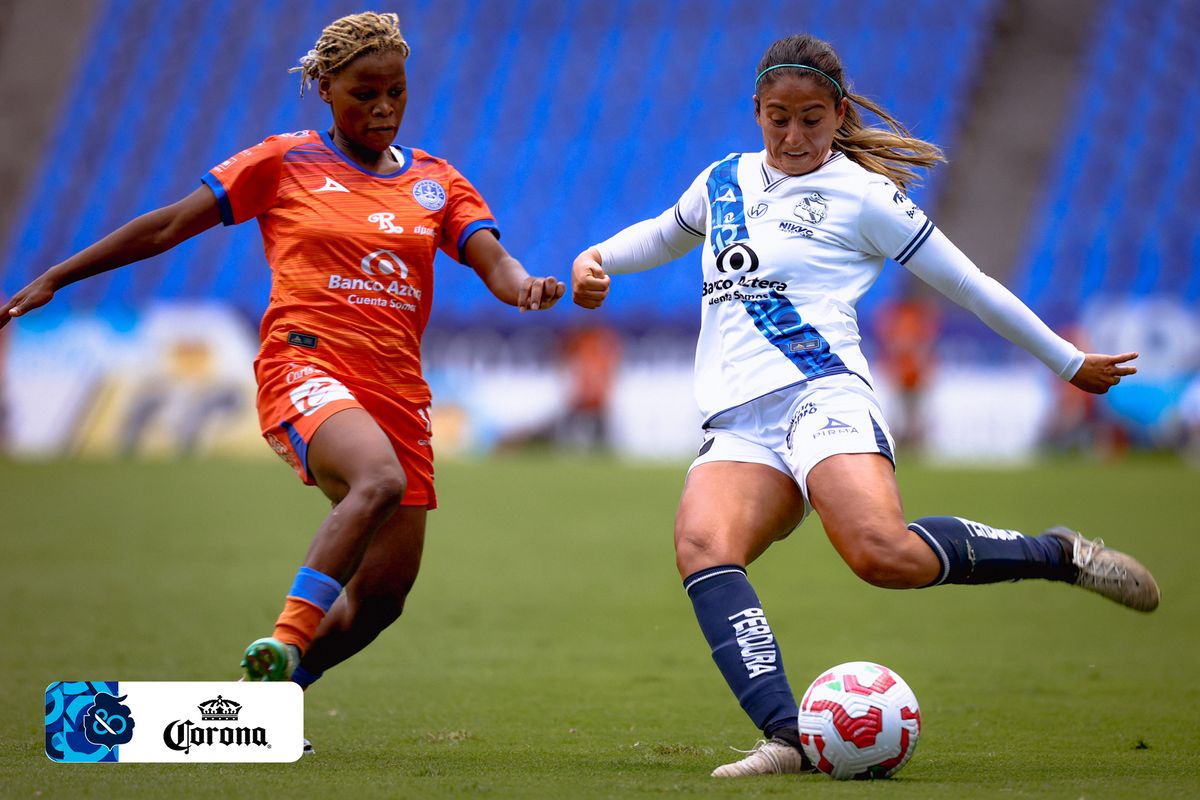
x: 294, y: 400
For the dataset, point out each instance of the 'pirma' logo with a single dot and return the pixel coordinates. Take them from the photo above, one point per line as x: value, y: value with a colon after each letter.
x: 183, y: 735
x: 833, y: 427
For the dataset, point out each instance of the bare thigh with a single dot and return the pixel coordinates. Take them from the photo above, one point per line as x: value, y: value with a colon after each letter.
x: 731, y: 512
x: 858, y: 501
x: 350, y: 449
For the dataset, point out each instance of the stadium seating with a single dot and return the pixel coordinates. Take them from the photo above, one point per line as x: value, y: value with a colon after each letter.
x: 1121, y: 216
x: 573, y: 117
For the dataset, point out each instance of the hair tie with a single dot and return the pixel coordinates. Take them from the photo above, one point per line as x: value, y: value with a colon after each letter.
x: 841, y: 92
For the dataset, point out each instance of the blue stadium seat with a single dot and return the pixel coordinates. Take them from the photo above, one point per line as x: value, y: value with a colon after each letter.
x: 1121, y: 216
x: 574, y: 118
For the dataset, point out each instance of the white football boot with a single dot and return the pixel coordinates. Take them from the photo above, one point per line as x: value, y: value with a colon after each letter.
x: 767, y: 757
x: 1114, y: 574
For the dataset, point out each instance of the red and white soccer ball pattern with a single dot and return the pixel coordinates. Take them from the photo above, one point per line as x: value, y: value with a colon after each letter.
x: 859, y: 720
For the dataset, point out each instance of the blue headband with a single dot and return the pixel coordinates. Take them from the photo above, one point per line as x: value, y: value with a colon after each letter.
x: 841, y: 92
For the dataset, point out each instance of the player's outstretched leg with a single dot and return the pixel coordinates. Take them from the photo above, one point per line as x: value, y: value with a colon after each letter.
x: 859, y: 504
x: 971, y: 552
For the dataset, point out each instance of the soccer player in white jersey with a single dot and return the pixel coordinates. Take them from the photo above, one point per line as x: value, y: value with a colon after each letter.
x: 792, y: 237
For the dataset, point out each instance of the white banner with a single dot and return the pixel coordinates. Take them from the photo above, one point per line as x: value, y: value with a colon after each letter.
x: 174, y: 721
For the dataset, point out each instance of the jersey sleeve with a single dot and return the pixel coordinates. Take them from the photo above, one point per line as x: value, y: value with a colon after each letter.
x: 653, y: 242
x: 691, y: 212
x: 247, y: 184
x: 465, y: 213
x: 892, y: 225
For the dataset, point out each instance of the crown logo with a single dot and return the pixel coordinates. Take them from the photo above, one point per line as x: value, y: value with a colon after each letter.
x: 220, y: 709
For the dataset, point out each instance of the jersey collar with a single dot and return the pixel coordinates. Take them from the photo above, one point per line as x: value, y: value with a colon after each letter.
x: 405, y: 152
x: 773, y: 177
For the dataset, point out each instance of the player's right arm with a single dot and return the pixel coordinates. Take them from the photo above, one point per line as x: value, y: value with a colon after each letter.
x: 645, y: 245
x: 148, y: 235
x: 589, y: 282
x: 642, y: 246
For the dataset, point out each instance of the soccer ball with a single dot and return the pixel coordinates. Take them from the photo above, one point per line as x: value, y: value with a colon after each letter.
x: 859, y: 720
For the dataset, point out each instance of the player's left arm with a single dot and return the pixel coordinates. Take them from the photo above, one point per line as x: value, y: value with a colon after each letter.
x: 942, y: 265
x: 506, y: 278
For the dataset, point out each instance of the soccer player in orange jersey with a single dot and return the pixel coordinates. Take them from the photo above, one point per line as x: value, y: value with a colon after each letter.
x: 351, y: 224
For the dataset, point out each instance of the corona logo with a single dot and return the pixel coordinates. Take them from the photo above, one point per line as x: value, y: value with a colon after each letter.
x: 220, y: 709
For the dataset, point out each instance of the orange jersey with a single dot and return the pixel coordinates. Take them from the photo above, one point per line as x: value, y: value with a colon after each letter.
x: 351, y: 252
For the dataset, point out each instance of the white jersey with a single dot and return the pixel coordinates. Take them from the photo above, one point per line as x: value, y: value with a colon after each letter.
x: 785, y: 260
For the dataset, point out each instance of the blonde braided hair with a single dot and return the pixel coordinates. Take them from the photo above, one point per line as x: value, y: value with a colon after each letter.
x: 345, y: 39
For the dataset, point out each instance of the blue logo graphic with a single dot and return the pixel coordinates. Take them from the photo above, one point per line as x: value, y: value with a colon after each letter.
x: 107, y: 722
x: 728, y: 209
x: 429, y: 194
x: 67, y: 705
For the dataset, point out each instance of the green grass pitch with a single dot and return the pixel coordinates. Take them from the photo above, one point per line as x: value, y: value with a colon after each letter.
x: 548, y: 649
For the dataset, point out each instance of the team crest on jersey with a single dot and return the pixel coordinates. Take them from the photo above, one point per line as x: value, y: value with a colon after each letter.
x: 758, y: 211
x: 738, y: 256
x: 429, y: 194
x: 812, y: 209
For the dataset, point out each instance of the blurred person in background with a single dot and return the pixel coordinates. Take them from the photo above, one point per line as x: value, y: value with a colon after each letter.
x: 906, y: 331
x: 1189, y: 417
x: 351, y: 224
x: 793, y: 236
x: 591, y: 356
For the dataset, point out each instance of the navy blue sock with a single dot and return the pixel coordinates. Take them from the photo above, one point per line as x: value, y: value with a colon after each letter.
x: 971, y: 552
x: 743, y: 646
x: 304, y: 677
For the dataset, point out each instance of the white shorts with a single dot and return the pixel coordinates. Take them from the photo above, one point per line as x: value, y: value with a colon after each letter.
x: 796, y: 428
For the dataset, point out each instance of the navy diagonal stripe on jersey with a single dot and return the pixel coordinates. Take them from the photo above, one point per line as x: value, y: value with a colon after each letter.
x: 778, y: 320
x: 728, y: 209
